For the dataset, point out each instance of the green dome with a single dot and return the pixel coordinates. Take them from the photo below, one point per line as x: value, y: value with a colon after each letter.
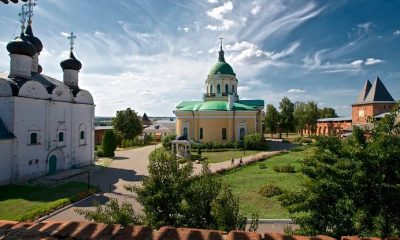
x: 223, y: 68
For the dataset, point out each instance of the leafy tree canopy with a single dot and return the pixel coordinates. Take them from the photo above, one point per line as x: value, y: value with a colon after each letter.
x: 127, y: 124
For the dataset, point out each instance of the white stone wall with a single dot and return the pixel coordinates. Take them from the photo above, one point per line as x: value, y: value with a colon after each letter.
x: 5, y: 161
x: 47, y: 118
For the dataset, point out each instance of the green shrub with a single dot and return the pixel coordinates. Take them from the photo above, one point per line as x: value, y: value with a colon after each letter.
x: 166, y: 140
x: 99, y: 154
x: 255, y: 141
x: 215, y: 146
x: 270, y: 190
x: 262, y: 166
x: 109, y: 143
x: 286, y: 168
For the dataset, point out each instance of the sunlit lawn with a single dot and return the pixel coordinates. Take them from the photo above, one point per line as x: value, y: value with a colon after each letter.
x: 246, y: 182
x: 27, y: 202
x: 215, y: 157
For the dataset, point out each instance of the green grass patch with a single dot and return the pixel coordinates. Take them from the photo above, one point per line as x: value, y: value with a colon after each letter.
x: 247, y: 181
x: 29, y: 202
x: 222, y: 156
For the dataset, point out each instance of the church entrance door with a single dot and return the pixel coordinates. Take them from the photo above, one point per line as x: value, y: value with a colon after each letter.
x: 52, y: 165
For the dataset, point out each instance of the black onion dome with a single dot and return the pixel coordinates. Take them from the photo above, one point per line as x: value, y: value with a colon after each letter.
x: 33, y: 40
x: 22, y: 46
x: 71, y: 63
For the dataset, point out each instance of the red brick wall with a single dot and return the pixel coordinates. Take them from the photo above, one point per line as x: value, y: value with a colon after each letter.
x: 370, y: 110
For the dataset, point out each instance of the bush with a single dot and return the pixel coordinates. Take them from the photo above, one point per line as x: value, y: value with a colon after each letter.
x: 127, y: 143
x: 270, y: 190
x: 166, y: 140
x: 109, y: 143
x: 215, y: 146
x: 301, y: 140
x: 262, y: 166
x: 255, y: 141
x: 286, y: 168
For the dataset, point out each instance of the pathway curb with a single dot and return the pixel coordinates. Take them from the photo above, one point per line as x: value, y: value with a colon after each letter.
x: 62, y: 209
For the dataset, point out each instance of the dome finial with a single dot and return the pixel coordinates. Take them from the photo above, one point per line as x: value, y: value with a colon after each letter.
x: 29, y: 10
x: 22, y: 18
x: 71, y: 38
x: 221, y: 57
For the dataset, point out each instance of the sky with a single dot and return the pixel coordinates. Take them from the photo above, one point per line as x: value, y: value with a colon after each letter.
x: 150, y: 55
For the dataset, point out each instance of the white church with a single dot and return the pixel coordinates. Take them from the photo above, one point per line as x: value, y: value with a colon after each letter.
x: 46, y: 125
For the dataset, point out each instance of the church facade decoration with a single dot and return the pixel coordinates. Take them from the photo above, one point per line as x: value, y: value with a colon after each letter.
x: 46, y: 125
x: 221, y: 116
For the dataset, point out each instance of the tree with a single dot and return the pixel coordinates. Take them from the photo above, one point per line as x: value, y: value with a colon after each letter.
x: 353, y: 186
x: 162, y: 192
x: 327, y: 112
x: 312, y: 117
x: 210, y: 204
x: 127, y: 124
x: 271, y: 119
x: 113, y: 213
x: 286, y: 115
x: 109, y: 143
x: 300, y: 116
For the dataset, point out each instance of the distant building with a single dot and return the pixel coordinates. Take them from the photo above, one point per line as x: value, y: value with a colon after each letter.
x: 374, y: 101
x: 161, y: 128
x: 221, y: 116
x: 46, y: 125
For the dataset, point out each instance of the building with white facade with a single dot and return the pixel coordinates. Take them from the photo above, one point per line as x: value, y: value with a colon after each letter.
x: 46, y: 125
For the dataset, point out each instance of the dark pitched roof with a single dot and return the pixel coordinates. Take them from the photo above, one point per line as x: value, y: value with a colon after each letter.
x: 364, y: 92
x: 378, y: 93
x: 145, y: 118
x: 4, y: 133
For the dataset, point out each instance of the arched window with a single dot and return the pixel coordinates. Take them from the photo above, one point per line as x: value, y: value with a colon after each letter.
x: 201, y: 133
x: 233, y: 88
x: 226, y: 88
x: 82, y: 135
x: 33, y: 138
x: 224, y: 134
x: 61, y: 137
x: 211, y: 89
x: 218, y: 89
x: 185, y: 132
x: 242, y: 133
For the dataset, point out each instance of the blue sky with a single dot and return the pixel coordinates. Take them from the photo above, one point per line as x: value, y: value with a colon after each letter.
x: 150, y: 55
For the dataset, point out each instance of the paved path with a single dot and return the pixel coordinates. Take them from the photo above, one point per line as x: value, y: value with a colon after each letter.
x: 129, y: 167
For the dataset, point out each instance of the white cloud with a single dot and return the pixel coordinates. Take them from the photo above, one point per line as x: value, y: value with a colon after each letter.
x: 316, y: 63
x: 184, y: 29
x: 295, y: 90
x: 397, y: 32
x: 372, y: 61
x: 256, y: 7
x: 212, y: 1
x: 64, y: 34
x: 245, y: 53
x: 219, y: 13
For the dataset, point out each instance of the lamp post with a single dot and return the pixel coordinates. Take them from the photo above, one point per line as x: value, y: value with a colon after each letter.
x: 280, y: 131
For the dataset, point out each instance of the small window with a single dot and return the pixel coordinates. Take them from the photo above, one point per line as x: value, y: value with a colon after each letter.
x: 201, y: 133
x: 242, y: 133
x: 30, y: 162
x: 226, y: 88
x: 211, y: 89
x: 36, y: 161
x: 233, y: 88
x: 33, y: 138
x: 224, y: 134
x: 61, y: 137
x: 218, y: 89
x: 82, y: 135
x: 185, y: 132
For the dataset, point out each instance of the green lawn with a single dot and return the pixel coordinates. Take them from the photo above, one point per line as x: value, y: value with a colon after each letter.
x: 246, y: 181
x: 28, y: 202
x: 215, y: 157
